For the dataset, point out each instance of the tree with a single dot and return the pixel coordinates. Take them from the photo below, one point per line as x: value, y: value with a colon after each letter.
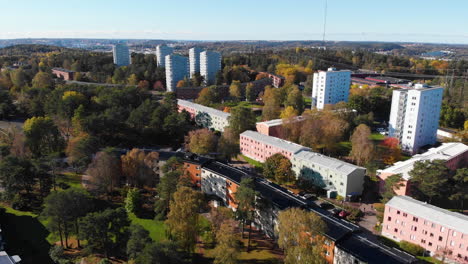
x: 242, y: 118
x: 227, y: 249
x: 160, y: 253
x: 295, y: 99
x: 182, y: 83
x: 132, y: 80
x: 429, y: 179
x: 412, y: 248
x: 80, y: 149
x: 236, y: 90
x: 362, y: 147
x: 392, y: 151
x: 392, y: 183
x: 300, y: 235
x: 209, y: 95
x: 291, y: 126
x: 245, y: 198
x: 137, y: 167
x: 460, y: 185
x: 133, y: 201
x: 278, y: 168
x: 228, y: 144
x: 63, y: 209
x: 182, y: 220
x: 16, y: 175
x: 138, y: 239
x: 42, y: 136
x: 202, y: 141
x: 166, y: 189
x: 42, y: 80
x: 250, y: 95
x: 7, y: 108
x: 105, y: 231
x: 272, y: 104
x: 104, y: 172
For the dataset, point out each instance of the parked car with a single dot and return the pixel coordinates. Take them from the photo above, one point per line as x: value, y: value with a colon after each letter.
x: 326, y: 205
x: 335, y: 211
x: 343, y: 214
x: 309, y: 196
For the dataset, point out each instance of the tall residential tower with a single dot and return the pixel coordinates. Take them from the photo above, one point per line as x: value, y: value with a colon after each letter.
x: 330, y: 87
x: 210, y: 65
x: 176, y: 69
x: 161, y: 52
x: 194, y: 56
x: 414, y: 117
x: 121, y: 55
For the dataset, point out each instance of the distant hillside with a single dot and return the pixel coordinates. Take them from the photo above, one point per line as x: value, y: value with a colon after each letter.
x: 28, y: 49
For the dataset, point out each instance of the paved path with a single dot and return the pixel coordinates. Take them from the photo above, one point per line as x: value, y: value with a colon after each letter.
x: 369, y: 220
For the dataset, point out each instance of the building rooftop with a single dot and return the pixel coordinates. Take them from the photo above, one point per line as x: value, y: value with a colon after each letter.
x: 430, y: 212
x: 278, y: 122
x: 365, y: 81
x: 446, y: 151
x: 418, y: 86
x: 203, y: 108
x: 227, y: 171
x: 274, y: 141
x: 7, y: 259
x: 386, y: 79
x: 328, y: 162
x: 371, y: 252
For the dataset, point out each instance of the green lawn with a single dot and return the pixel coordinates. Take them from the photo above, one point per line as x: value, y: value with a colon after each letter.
x: 157, y: 229
x: 377, y: 137
x: 252, y: 162
x: 429, y: 260
x: 25, y: 235
x: 70, y: 178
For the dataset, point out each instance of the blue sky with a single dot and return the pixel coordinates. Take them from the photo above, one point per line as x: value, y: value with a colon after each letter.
x: 356, y: 20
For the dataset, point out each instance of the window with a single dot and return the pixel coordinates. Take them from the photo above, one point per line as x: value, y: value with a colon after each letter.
x: 454, y: 233
x: 440, y: 238
x: 405, y: 214
x: 415, y: 219
x: 413, y: 237
x: 442, y: 229
x: 395, y: 230
x: 398, y: 212
x: 452, y: 243
x: 423, y: 241
x: 430, y: 244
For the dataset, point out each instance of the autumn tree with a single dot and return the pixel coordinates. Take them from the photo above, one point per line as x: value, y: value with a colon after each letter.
x: 104, y: 172
x: 300, y: 235
x: 291, y: 127
x: 80, y: 149
x: 272, y: 104
x: 182, y: 220
x: 182, y: 83
x: 201, y: 141
x: 429, y: 179
x: 278, y: 168
x: 362, y: 147
x: 137, y: 167
x: 228, y: 144
x: 227, y: 248
x: 392, y: 150
x: 236, y: 90
x: 42, y: 80
x: 242, y: 118
x: 208, y: 95
x: 42, y: 136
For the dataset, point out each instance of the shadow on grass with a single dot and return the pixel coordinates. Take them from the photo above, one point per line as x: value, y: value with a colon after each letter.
x: 25, y: 236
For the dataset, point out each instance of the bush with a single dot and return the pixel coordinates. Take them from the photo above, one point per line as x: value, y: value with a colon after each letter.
x: 19, y: 202
x: 412, y: 248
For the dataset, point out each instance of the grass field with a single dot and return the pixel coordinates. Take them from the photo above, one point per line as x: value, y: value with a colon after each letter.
x: 252, y: 162
x: 69, y: 178
x: 156, y: 229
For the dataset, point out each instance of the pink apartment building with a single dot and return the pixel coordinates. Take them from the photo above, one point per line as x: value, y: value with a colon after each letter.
x: 454, y: 154
x: 259, y: 147
x: 431, y: 227
x: 274, y: 127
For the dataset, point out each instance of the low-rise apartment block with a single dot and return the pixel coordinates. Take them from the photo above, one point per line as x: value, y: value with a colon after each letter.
x: 205, y: 116
x: 329, y: 173
x: 433, y: 228
x: 454, y: 154
x: 274, y: 127
x: 65, y: 74
x: 259, y: 147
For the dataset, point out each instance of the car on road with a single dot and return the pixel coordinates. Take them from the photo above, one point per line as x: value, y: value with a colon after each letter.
x: 326, y: 205
x: 335, y: 211
x: 343, y: 214
x: 309, y: 196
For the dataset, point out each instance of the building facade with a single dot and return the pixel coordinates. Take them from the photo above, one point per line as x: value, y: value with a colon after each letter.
x: 205, y: 116
x: 259, y: 147
x: 194, y: 57
x: 454, y: 154
x: 161, y: 52
x: 329, y: 173
x: 210, y: 65
x: 121, y: 55
x: 65, y: 74
x: 433, y: 228
x: 414, y: 116
x: 330, y: 87
x: 176, y: 70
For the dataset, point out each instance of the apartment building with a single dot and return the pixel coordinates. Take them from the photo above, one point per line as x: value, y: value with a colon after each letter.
x: 121, y: 55
x: 433, y: 228
x: 205, y: 116
x: 259, y: 147
x: 454, y: 154
x: 161, y: 52
x: 65, y: 74
x: 330, y: 87
x: 414, y: 116
x: 210, y: 65
x: 194, y: 57
x: 177, y: 68
x: 274, y: 127
x: 329, y: 173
